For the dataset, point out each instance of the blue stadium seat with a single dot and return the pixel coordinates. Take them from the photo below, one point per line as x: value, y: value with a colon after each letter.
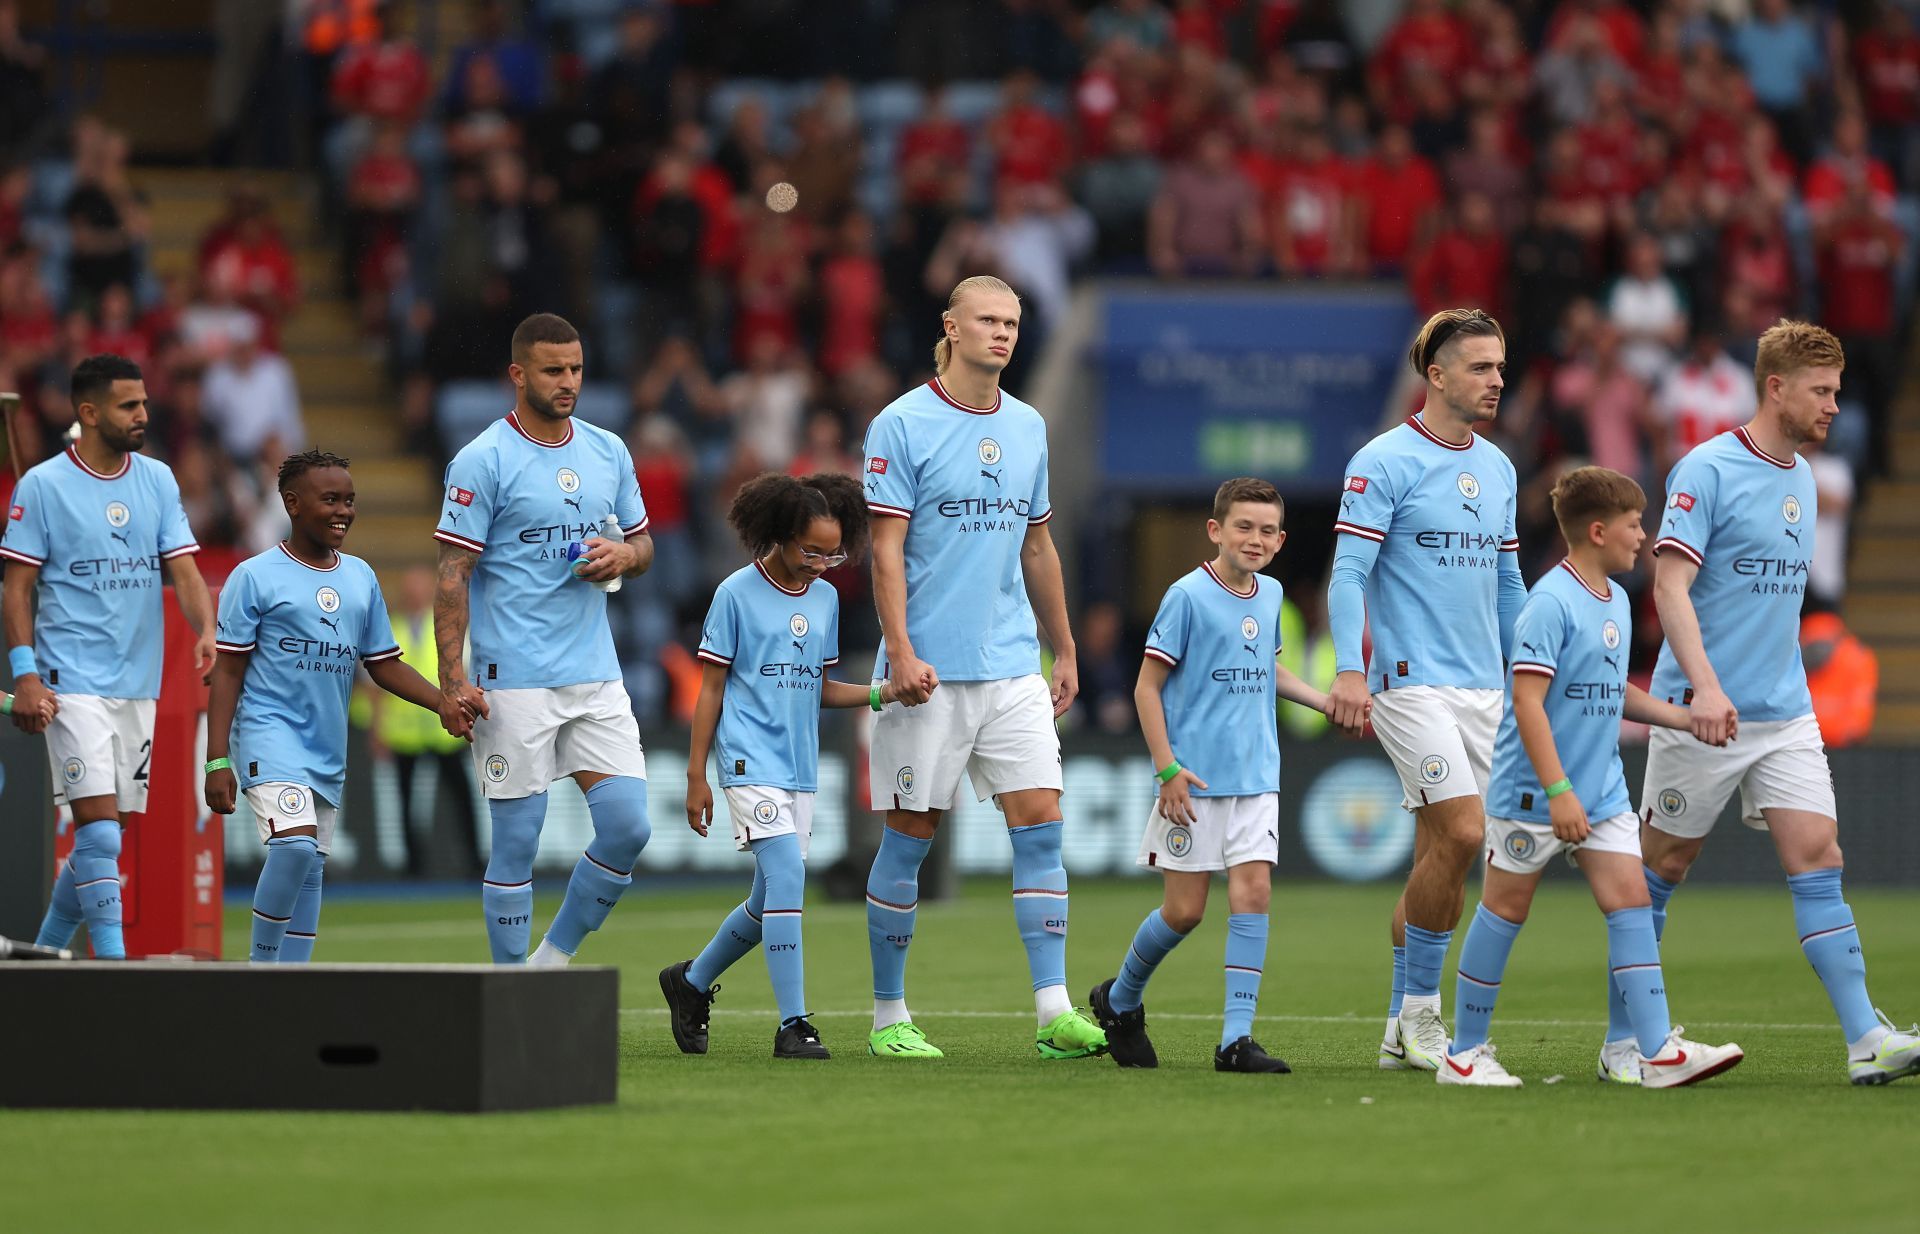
x: 462, y: 408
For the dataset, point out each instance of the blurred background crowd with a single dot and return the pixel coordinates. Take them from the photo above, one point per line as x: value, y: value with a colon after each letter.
x: 1634, y: 189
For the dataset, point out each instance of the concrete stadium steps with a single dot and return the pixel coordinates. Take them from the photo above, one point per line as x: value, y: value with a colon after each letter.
x: 348, y: 405
x: 1883, y: 577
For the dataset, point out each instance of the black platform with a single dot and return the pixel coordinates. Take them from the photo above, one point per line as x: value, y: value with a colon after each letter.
x: 155, y: 1035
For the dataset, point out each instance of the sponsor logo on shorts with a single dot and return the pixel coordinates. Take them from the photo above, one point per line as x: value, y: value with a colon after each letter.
x: 1469, y: 487
x: 766, y: 812
x: 118, y: 514
x: 292, y: 801
x: 328, y: 599
x: 1433, y: 769
x: 1249, y: 629
x: 1610, y: 634
x: 798, y: 624
x: 989, y: 451
x: 1179, y: 842
x: 1790, y: 509
x: 1671, y: 802
x: 905, y: 781
x: 569, y: 480
x: 1520, y: 845
x: 496, y: 767
x: 72, y: 770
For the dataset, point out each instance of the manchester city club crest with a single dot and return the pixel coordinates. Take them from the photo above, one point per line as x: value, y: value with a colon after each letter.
x: 118, y: 514
x: 1790, y: 509
x: 292, y: 801
x: 496, y: 767
x: 905, y: 780
x: 766, y: 812
x: 1520, y: 845
x: 1433, y: 769
x: 989, y: 451
x: 1249, y: 629
x: 72, y: 770
x: 1179, y: 841
x: 798, y: 624
x: 328, y: 599
x: 1610, y: 634
x: 569, y: 480
x: 1672, y: 803
x: 1469, y: 487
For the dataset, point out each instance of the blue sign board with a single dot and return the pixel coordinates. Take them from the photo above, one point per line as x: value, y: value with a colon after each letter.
x: 1285, y: 384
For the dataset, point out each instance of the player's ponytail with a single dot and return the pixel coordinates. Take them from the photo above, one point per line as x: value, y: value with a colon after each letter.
x: 772, y: 508
x: 943, y: 350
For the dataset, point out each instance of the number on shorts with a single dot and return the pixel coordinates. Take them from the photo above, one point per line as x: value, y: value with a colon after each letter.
x: 146, y: 756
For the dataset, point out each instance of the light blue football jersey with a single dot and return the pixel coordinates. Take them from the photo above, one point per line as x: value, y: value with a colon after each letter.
x: 1579, y: 638
x: 1443, y: 516
x: 305, y: 631
x: 1746, y: 518
x: 777, y: 646
x: 971, y: 482
x: 1219, y: 698
x: 519, y: 503
x: 99, y: 541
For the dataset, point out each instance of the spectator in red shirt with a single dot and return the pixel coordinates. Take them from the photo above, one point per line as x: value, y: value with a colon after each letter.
x: 1310, y: 209
x: 1500, y: 71
x: 1859, y: 253
x: 248, y: 256
x: 768, y: 289
x: 1756, y: 258
x: 382, y: 195
x: 1206, y: 218
x: 1466, y: 263
x: 1610, y: 142
x: 1398, y: 195
x: 933, y: 150
x: 1488, y: 164
x: 1428, y: 39
x: 1029, y: 143
x: 1200, y: 23
x: 852, y: 297
x: 1626, y: 34
x: 1846, y: 162
x: 115, y: 331
x: 1886, y: 58
x: 385, y: 79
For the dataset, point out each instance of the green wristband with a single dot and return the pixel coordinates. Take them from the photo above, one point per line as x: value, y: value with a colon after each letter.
x: 218, y: 764
x: 1562, y: 785
x: 873, y: 699
x: 6, y: 705
x: 1171, y: 770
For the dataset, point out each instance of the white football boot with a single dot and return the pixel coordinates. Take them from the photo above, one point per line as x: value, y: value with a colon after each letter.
x: 1393, y: 1055
x: 1477, y: 1068
x: 1619, y: 1062
x: 1423, y: 1035
x: 1682, y: 1062
x: 1885, y: 1054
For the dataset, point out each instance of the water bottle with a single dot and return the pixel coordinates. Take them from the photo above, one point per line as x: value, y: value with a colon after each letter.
x: 610, y: 530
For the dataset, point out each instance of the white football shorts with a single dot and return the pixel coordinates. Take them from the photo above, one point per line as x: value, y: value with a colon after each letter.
x: 761, y: 813
x: 280, y: 805
x: 999, y: 733
x: 1776, y: 765
x: 1521, y: 847
x: 1226, y: 832
x: 1440, y: 739
x: 101, y: 747
x: 536, y: 736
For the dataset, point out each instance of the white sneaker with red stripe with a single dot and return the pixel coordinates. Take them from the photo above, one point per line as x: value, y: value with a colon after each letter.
x: 1477, y: 1068
x: 1682, y: 1062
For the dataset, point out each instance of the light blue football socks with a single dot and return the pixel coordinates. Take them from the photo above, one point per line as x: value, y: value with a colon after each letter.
x: 1831, y: 944
x: 1040, y: 901
x: 1152, y: 943
x: 1246, y: 957
x: 618, y: 806
x: 96, y: 881
x: 785, y: 873
x: 63, y: 912
x: 506, y: 891
x: 1426, y: 956
x: 738, y: 934
x: 1399, y: 992
x: 1483, y: 966
x: 1633, y: 961
x: 304, y: 930
x: 274, y: 896
x: 893, y: 893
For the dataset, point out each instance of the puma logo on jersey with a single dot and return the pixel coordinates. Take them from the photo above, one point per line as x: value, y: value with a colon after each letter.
x: 453, y: 516
x: 330, y: 624
x: 121, y: 536
x: 800, y: 647
x: 1612, y: 663
x: 1473, y: 510
x: 572, y: 501
x: 1531, y: 647
x: 1794, y: 535
x: 991, y: 475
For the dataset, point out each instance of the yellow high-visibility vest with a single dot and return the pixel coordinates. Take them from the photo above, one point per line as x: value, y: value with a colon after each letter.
x: 1309, y: 659
x: 405, y: 728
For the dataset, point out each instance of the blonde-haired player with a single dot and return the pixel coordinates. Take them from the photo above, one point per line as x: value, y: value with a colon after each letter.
x: 1735, y: 546
x: 1426, y: 555
x: 956, y: 477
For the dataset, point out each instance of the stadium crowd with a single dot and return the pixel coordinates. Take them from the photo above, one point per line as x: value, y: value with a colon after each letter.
x: 1636, y: 189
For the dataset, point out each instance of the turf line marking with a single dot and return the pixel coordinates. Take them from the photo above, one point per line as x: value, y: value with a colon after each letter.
x: 1738, y: 1026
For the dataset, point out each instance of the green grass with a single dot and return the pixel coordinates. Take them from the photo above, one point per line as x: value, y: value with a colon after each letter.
x: 995, y: 1139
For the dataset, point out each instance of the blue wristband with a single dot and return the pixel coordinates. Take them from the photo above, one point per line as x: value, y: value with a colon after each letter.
x: 20, y: 660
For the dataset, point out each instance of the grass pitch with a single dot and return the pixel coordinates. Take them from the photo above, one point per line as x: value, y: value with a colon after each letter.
x: 994, y: 1138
